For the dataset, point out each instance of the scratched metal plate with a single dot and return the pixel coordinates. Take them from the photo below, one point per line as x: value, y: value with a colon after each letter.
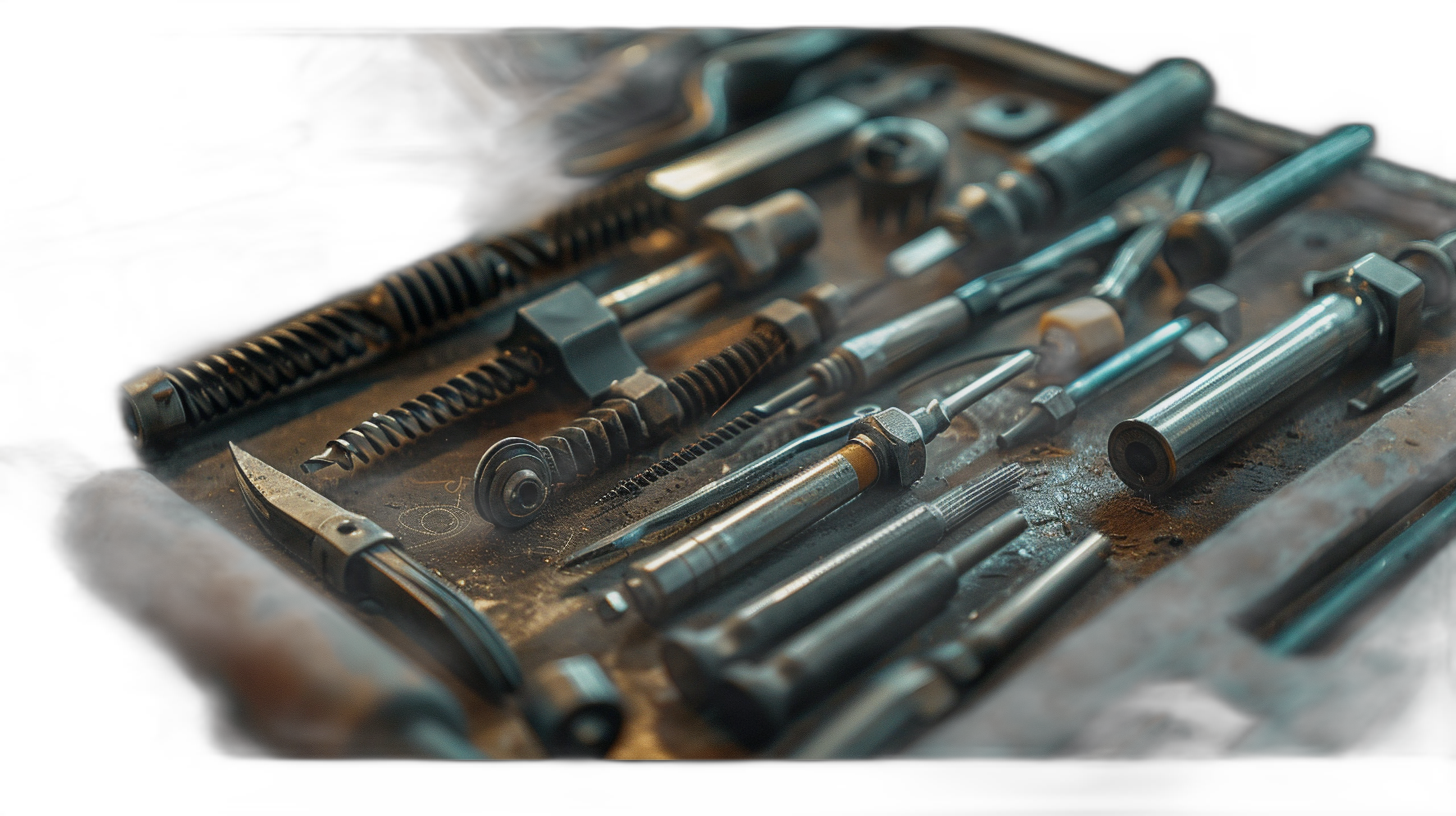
x: 423, y: 493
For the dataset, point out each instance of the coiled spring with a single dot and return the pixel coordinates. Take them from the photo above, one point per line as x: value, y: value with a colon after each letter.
x: 487, y: 384
x: 292, y: 354
x: 831, y: 374
x: 411, y: 304
x: 598, y: 441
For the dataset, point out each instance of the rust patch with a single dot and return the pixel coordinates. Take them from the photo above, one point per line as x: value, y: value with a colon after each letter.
x: 1371, y: 470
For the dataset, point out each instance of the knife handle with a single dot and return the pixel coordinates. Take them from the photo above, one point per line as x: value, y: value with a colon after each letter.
x: 298, y: 673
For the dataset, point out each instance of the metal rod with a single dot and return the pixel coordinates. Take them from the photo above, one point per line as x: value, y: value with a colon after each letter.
x: 695, y: 658
x: 916, y: 692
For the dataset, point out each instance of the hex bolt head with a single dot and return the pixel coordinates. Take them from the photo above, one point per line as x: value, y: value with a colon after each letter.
x: 1398, y: 292
x: 764, y: 238
x: 896, y: 441
x: 655, y: 402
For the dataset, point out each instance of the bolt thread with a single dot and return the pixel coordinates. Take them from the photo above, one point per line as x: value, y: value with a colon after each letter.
x: 489, y: 383
x: 414, y: 303
x: 607, y: 217
x: 608, y: 435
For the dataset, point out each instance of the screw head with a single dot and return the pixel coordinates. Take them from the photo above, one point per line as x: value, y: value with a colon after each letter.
x: 512, y: 483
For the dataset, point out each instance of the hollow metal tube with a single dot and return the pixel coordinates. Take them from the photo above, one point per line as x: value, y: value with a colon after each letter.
x: 1155, y: 449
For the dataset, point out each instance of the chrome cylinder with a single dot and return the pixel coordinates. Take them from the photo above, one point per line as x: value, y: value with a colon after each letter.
x: 1155, y: 449
x: 666, y: 582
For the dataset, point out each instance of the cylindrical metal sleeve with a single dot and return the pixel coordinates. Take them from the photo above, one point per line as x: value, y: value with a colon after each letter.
x: 299, y: 674
x: 757, y: 699
x: 1122, y: 130
x: 1155, y: 449
x: 667, y: 581
x: 879, y: 352
x: 695, y: 658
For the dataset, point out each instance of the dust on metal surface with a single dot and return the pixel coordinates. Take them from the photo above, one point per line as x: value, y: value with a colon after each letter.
x: 422, y: 494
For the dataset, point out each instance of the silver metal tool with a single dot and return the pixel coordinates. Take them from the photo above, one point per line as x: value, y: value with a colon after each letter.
x: 897, y: 164
x: 363, y: 562
x: 871, y: 357
x: 1374, y: 308
x: 755, y: 476
x: 1384, y: 389
x: 886, y: 448
x: 1209, y: 323
x: 695, y: 658
x: 1200, y: 244
x: 574, y: 707
x: 1050, y: 177
x: 1138, y: 252
x: 916, y: 692
x: 574, y: 337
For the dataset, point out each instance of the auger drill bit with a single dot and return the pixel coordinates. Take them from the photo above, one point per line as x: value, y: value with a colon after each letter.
x: 576, y: 338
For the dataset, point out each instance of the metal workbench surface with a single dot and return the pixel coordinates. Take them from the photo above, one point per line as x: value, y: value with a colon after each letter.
x: 423, y: 493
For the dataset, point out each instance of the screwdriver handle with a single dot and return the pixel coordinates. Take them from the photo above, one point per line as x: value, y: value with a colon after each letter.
x: 300, y: 675
x: 1120, y: 131
x: 1200, y: 244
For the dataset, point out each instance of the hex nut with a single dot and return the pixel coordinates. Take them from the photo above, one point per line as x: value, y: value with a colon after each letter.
x: 659, y: 409
x: 794, y: 320
x: 899, y: 448
x: 576, y: 335
x: 1200, y: 345
x: 1398, y: 291
x: 1216, y: 306
x: 829, y: 304
x: 1054, y: 400
x: 764, y: 238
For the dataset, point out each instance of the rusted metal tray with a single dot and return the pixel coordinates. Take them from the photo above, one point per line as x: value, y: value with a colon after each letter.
x: 423, y: 493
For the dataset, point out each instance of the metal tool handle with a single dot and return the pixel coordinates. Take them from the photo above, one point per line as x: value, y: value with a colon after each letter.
x: 1121, y: 130
x: 304, y: 677
x: 1200, y: 244
x: 1155, y: 449
x: 918, y: 691
x: 867, y: 359
x: 1125, y: 364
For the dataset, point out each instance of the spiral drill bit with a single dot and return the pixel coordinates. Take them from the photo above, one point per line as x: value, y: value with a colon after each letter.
x: 162, y: 406
x: 572, y: 335
x: 516, y: 478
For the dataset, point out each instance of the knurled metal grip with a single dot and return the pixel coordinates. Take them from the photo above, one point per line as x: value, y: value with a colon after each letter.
x: 577, y: 337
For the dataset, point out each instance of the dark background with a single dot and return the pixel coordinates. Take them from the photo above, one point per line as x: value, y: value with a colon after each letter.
x: 178, y: 190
